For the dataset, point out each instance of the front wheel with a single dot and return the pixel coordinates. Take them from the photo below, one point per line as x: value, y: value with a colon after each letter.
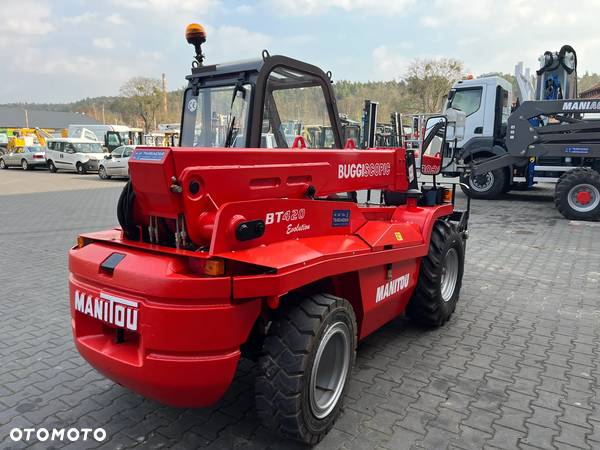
x: 305, y: 366
x: 577, y: 194
x: 485, y: 186
x: 24, y: 164
x: 440, y: 277
x: 102, y: 173
x: 3, y: 164
x: 80, y: 168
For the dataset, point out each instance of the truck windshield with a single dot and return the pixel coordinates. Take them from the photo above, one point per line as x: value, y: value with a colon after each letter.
x: 466, y: 100
x: 220, y: 115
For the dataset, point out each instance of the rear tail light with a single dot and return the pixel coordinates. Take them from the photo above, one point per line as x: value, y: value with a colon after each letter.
x: 448, y: 196
x: 214, y: 267
x: 38, y: 156
x: 82, y: 241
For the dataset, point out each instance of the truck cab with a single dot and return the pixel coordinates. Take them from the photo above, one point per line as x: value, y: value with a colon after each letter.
x: 486, y: 103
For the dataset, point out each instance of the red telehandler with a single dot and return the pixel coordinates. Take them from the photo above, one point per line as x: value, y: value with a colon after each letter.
x: 243, y: 242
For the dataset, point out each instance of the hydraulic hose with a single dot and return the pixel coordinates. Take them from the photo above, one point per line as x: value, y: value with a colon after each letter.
x: 125, y: 212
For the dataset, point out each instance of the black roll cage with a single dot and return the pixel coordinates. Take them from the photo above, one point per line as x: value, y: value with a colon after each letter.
x: 256, y: 73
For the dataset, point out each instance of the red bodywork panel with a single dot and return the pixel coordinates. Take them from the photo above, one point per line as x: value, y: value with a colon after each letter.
x: 158, y: 327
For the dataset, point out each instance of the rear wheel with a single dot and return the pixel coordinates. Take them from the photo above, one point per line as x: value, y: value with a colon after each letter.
x: 51, y: 167
x: 487, y: 185
x: 3, y: 164
x: 305, y: 366
x: 577, y: 194
x: 24, y: 164
x: 440, y: 277
x: 80, y: 168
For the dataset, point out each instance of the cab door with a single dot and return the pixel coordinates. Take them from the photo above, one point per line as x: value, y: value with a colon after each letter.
x: 58, y: 155
x: 68, y: 156
x: 112, y: 140
x: 113, y: 165
x: 12, y: 159
x: 125, y: 160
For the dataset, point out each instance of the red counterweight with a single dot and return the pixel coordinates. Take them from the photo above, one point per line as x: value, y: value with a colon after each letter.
x: 197, y: 182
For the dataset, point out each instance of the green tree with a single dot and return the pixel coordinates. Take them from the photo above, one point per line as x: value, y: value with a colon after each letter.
x: 429, y: 80
x: 144, y: 96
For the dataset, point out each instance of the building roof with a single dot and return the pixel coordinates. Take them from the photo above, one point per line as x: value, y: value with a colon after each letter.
x: 593, y: 92
x: 14, y: 117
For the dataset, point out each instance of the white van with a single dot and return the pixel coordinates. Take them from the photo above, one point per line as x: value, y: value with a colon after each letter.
x: 77, y: 154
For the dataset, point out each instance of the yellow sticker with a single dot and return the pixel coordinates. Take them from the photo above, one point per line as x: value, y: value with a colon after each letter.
x: 398, y: 236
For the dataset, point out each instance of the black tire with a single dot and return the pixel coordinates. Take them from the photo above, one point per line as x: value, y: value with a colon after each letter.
x: 566, y: 194
x: 285, y: 401
x: 3, y: 164
x: 51, y: 167
x: 102, y: 173
x: 25, y: 165
x: 486, y: 186
x: 80, y: 168
x: 431, y: 304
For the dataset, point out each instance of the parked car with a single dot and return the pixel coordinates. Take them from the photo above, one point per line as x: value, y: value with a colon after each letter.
x: 3, y: 143
x: 78, y: 154
x: 116, y: 164
x: 25, y: 157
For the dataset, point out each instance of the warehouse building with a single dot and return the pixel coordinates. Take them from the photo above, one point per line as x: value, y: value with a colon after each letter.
x: 593, y: 92
x: 19, y: 117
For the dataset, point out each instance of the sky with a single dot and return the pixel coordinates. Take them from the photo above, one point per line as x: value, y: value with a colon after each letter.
x: 65, y: 50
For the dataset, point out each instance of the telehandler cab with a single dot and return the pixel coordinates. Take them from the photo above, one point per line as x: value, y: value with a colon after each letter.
x: 226, y: 252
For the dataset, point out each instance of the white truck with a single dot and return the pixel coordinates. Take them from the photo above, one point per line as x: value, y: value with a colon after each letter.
x: 112, y: 136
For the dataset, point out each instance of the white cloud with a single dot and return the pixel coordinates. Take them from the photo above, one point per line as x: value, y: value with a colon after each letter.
x: 151, y: 55
x: 388, y: 63
x: 169, y: 5
x: 25, y: 17
x: 82, y: 18
x: 244, y: 9
x: 103, y: 42
x: 492, y: 36
x: 115, y: 19
x: 230, y: 42
x: 318, y: 7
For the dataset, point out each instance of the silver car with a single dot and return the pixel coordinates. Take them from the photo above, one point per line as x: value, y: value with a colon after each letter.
x: 24, y: 157
x: 116, y: 164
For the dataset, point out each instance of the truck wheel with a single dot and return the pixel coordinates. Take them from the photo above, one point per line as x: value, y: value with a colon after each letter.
x: 440, y: 277
x: 305, y: 366
x: 486, y: 186
x: 577, y: 194
x: 51, y: 167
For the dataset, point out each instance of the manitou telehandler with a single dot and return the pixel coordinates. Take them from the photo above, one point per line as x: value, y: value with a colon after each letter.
x: 226, y: 252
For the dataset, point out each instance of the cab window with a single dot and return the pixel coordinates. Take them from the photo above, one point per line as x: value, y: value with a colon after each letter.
x: 113, y: 139
x: 466, y: 100
x: 295, y: 106
x: 221, y: 115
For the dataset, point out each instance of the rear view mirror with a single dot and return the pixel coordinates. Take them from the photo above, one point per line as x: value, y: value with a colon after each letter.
x: 433, y: 144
